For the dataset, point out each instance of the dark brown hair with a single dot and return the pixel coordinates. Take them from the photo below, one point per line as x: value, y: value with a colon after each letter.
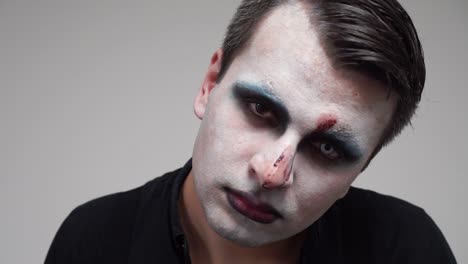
x: 373, y: 37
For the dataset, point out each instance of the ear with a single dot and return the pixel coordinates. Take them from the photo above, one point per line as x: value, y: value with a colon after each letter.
x: 201, y: 100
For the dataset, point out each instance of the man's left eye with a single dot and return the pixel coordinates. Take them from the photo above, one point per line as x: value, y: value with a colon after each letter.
x: 328, y: 150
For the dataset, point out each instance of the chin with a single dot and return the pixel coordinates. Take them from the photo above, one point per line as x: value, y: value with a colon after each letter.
x: 240, y: 237
x: 241, y: 231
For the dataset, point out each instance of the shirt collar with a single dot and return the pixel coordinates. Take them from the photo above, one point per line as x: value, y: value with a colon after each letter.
x: 176, y: 228
x: 156, y: 228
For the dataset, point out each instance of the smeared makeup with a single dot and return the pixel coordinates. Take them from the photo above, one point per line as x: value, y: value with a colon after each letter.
x: 325, y: 123
x: 279, y: 160
x: 251, y: 92
x: 341, y: 137
x: 278, y: 172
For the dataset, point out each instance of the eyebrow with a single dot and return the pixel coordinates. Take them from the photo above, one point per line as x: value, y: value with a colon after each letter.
x: 262, y: 94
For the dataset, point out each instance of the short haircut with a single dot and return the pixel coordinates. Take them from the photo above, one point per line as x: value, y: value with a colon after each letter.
x: 375, y: 38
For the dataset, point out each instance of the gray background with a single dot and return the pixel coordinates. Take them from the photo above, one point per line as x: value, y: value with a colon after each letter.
x: 96, y: 97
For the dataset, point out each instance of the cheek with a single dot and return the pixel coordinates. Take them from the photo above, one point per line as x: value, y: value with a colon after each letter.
x: 317, y: 188
x: 313, y: 200
x: 228, y: 130
x: 321, y: 187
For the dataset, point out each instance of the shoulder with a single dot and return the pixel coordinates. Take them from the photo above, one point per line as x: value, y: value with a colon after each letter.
x: 102, y: 228
x: 369, y: 204
x: 388, y: 215
x: 392, y: 227
x: 114, y: 214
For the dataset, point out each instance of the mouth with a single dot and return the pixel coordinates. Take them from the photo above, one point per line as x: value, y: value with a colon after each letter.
x: 249, y: 206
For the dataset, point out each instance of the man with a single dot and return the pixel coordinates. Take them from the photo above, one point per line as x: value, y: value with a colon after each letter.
x: 297, y: 102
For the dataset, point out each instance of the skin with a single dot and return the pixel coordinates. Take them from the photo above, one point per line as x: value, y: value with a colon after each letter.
x: 298, y: 156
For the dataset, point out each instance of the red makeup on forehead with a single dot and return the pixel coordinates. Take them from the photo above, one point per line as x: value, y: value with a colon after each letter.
x: 325, y: 122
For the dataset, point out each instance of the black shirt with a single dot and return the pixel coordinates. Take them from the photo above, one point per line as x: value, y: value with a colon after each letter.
x: 142, y: 226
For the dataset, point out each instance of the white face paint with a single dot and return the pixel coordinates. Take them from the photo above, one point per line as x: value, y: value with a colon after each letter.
x: 251, y: 157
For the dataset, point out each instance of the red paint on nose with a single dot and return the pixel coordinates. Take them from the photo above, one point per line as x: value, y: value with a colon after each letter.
x: 325, y: 123
x: 279, y: 160
x: 278, y: 174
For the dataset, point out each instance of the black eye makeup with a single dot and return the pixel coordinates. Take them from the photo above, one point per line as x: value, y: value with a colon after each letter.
x: 261, y: 102
x: 335, y: 146
x: 328, y: 150
x: 261, y: 110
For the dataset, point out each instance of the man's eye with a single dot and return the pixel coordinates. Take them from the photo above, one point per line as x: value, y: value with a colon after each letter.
x: 327, y: 150
x: 261, y: 110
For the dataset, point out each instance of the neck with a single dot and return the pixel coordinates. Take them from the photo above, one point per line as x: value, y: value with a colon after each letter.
x: 206, y: 246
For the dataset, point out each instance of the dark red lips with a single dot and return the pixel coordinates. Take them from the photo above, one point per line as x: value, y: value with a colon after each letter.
x: 249, y: 206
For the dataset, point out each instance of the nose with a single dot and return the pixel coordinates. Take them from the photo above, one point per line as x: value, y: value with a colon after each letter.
x: 273, y: 167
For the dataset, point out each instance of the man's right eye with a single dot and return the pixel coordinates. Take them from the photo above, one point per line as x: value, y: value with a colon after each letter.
x: 261, y: 110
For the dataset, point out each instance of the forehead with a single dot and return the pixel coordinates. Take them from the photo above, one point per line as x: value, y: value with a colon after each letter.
x: 286, y: 54
x: 288, y: 48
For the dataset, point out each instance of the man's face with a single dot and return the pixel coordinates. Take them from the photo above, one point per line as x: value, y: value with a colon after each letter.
x: 283, y: 135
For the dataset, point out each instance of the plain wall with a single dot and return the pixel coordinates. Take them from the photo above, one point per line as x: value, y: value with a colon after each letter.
x: 96, y: 97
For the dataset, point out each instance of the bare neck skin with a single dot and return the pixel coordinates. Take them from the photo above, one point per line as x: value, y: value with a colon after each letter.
x: 206, y: 246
